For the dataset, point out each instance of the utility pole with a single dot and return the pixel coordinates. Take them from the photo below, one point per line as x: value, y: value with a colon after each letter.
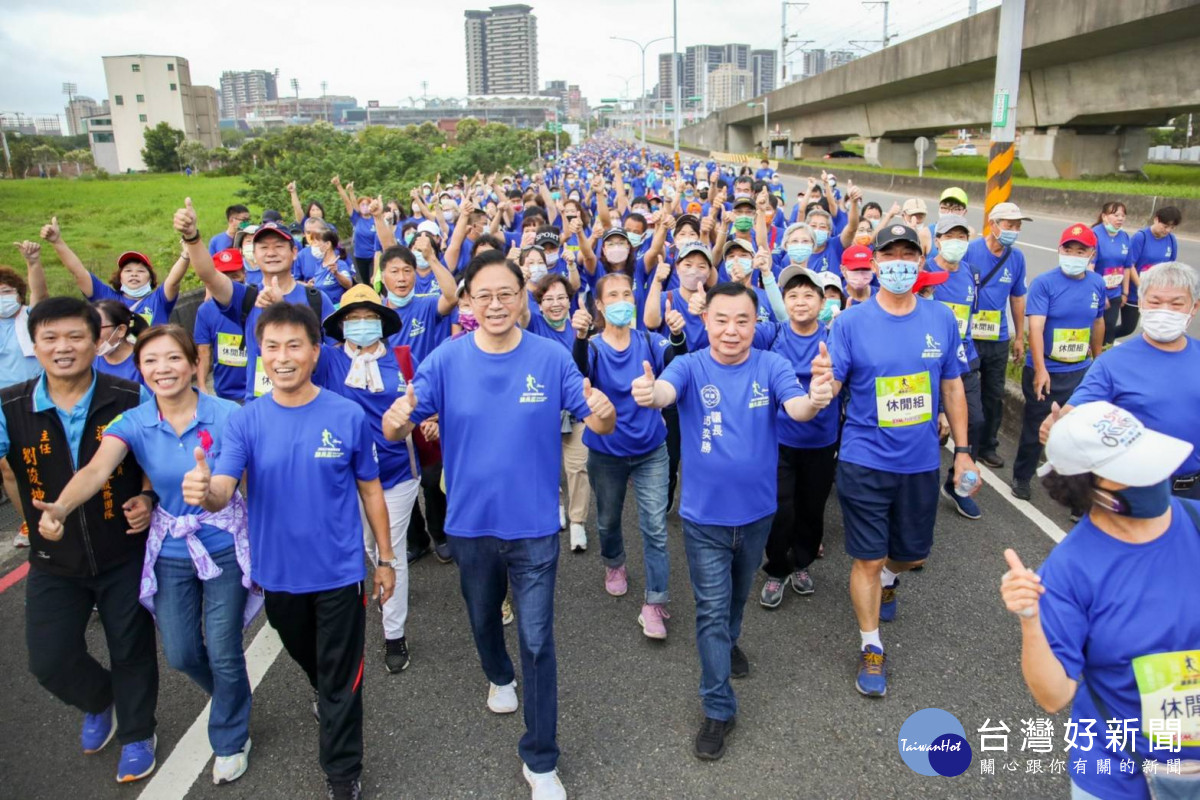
x: 675, y: 68
x: 785, y: 38
x: 296, y: 90
x: 885, y: 3
x: 1004, y: 106
x: 324, y: 103
x: 69, y: 90
x: 642, y: 107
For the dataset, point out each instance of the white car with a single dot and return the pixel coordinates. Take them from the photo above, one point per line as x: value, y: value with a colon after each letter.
x: 964, y: 150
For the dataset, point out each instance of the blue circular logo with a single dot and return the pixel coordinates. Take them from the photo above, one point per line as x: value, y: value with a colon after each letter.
x: 710, y: 395
x: 933, y: 742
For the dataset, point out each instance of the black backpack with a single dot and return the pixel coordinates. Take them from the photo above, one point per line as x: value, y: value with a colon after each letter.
x: 311, y: 294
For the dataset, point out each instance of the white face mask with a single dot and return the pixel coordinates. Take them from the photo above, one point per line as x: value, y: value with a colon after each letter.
x: 107, y: 346
x: 1164, y: 325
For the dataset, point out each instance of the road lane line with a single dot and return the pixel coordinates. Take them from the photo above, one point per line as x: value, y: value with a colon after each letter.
x: 14, y: 577
x: 1031, y: 512
x: 175, y: 776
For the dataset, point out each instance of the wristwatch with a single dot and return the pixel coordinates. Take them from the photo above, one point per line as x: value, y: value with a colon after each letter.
x: 961, y: 450
x: 385, y: 563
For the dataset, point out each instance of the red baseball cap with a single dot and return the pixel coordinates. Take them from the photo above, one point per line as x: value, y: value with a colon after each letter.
x: 1079, y: 232
x: 274, y: 228
x: 857, y: 257
x: 925, y: 279
x: 229, y: 260
x: 133, y: 255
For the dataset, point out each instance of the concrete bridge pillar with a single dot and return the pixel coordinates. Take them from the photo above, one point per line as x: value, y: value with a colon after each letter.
x: 1068, y: 154
x: 814, y: 150
x: 740, y: 139
x: 896, y: 153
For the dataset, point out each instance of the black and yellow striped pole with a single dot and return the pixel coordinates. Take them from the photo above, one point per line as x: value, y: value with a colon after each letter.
x: 1004, y: 107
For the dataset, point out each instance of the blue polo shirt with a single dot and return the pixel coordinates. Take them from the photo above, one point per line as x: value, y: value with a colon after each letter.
x: 1070, y: 306
x: 228, y: 343
x: 155, y: 308
x: 993, y: 296
x: 166, y: 457
x: 15, y: 366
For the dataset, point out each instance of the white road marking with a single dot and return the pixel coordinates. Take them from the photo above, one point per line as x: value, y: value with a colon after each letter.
x: 175, y: 776
x: 1027, y: 508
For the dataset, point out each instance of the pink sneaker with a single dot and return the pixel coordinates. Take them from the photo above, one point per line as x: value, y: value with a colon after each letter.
x: 615, y: 581
x: 651, y: 620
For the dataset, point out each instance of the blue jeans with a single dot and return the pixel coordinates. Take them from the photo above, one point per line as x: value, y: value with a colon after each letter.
x: 201, y: 627
x: 721, y: 561
x: 486, y: 565
x: 610, y: 476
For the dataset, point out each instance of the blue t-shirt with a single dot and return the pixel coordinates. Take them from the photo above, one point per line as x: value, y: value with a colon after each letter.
x: 1161, y: 389
x: 166, y: 457
x: 829, y: 259
x: 693, y: 326
x: 421, y: 327
x: 1008, y: 281
x: 539, y: 327
x: 800, y: 350
x: 958, y: 294
x: 397, y: 460
x: 1106, y: 603
x: 328, y: 283
x: 1111, y: 254
x: 126, y: 369
x: 729, y: 445
x: 894, y: 366
x: 500, y: 415
x: 302, y: 465
x: 15, y: 366
x: 639, y: 430
x: 155, y: 308
x: 228, y: 343
x: 1070, y: 306
x: 364, y: 235
x: 222, y: 241
x: 305, y: 266
x: 1146, y: 250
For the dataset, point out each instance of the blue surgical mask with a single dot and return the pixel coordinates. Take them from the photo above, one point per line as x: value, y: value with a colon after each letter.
x: 1139, y: 502
x: 1007, y: 238
x: 799, y: 253
x: 1072, y: 265
x: 422, y: 263
x: 400, y: 302
x: 551, y: 258
x: 827, y: 310
x: 363, y: 332
x: 537, y: 271
x: 10, y: 304
x: 820, y: 237
x: 1112, y: 229
x: 619, y: 314
x: 953, y: 250
x: 635, y: 239
x: 408, y: 237
x: 897, y: 276
x: 141, y: 291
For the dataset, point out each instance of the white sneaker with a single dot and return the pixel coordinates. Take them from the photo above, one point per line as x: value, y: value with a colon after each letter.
x: 502, y: 699
x: 562, y: 517
x: 227, y: 769
x: 578, y: 537
x: 544, y: 785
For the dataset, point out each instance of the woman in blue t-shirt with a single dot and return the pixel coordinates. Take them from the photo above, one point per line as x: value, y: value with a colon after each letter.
x: 196, y: 571
x: 1154, y: 244
x: 334, y: 276
x: 1112, y: 250
x: 1109, y: 623
x: 119, y: 329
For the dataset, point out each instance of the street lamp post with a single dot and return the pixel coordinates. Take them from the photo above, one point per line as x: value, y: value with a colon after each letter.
x: 766, y: 132
x: 641, y: 47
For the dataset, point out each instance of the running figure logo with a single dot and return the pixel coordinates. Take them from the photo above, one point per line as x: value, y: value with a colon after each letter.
x: 932, y: 348
x: 533, y: 391
x: 759, y: 397
x: 331, y: 446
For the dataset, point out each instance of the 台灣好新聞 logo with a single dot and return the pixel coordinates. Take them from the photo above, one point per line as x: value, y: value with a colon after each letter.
x: 933, y: 742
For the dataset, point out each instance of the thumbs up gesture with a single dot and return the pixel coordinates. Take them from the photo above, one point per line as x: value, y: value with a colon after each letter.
x: 675, y: 321
x: 1048, y: 423
x: 51, y: 232
x: 822, y: 364
x: 820, y: 390
x: 185, y: 220
x: 1020, y: 587
x: 597, y: 401
x: 269, y: 293
x: 581, y: 322
x: 197, y: 480
x: 642, y: 387
x: 698, y: 302
x: 50, y: 525
x: 399, y: 416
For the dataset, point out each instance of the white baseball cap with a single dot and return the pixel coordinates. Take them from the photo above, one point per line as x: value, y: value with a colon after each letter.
x: 430, y: 227
x: 1110, y: 442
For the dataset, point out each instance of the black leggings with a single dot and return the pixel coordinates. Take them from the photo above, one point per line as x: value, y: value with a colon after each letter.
x: 1129, y: 321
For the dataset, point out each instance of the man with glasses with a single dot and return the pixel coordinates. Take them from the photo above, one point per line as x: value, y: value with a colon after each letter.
x: 237, y: 217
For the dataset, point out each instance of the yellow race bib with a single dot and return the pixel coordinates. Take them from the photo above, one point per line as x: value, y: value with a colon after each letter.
x: 903, y: 400
x: 1169, y: 686
x: 231, y: 349
x: 262, y: 384
x: 1070, y: 345
x: 962, y: 313
x: 985, y: 326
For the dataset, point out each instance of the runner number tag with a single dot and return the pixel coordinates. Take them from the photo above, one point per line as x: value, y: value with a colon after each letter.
x: 1114, y: 278
x: 1070, y: 345
x: 231, y: 350
x: 903, y: 400
x: 1169, y: 685
x: 986, y: 326
x: 262, y: 384
x: 962, y: 313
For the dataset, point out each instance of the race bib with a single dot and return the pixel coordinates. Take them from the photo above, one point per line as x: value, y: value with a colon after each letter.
x: 962, y: 313
x: 148, y: 315
x: 1169, y: 685
x: 903, y: 400
x: 262, y: 384
x: 231, y: 349
x: 1070, y: 345
x: 1114, y: 278
x: 985, y: 325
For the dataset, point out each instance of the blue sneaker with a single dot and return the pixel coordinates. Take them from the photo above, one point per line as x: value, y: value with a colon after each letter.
x: 887, y: 605
x: 137, y: 760
x: 872, y: 673
x: 98, y: 730
x: 966, y: 506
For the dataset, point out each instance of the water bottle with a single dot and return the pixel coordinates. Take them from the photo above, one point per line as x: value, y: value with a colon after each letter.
x: 966, y: 483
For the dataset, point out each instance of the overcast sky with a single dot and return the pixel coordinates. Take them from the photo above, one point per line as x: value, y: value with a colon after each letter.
x: 382, y: 52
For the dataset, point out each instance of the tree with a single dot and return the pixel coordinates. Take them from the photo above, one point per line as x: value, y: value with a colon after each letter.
x: 161, y: 142
x: 80, y: 158
x: 192, y: 153
x: 232, y: 137
x: 44, y: 155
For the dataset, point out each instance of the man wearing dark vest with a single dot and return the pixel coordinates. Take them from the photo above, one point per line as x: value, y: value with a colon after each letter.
x: 50, y: 427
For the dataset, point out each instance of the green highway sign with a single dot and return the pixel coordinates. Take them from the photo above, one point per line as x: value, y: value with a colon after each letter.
x: 609, y: 100
x: 695, y: 98
x: 1000, y: 109
x: 554, y: 127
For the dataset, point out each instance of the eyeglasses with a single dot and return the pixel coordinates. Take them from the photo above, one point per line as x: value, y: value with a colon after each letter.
x: 506, y: 297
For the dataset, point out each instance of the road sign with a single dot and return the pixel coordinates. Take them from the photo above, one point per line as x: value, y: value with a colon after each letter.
x: 609, y: 100
x: 554, y: 127
x: 1000, y: 110
x: 695, y: 98
x: 921, y: 144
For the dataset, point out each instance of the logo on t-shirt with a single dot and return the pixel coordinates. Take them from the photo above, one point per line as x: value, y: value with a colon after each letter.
x: 418, y: 327
x: 710, y: 396
x: 1095, y: 300
x: 933, y: 349
x: 533, y: 391
x: 331, y: 447
x: 1006, y: 276
x: 759, y: 396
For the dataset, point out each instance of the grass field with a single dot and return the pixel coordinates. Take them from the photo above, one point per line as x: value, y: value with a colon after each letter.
x: 102, y: 218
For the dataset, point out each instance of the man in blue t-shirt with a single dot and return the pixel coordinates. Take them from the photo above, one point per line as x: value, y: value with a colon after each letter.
x: 500, y: 537
x: 729, y: 395
x: 1154, y: 244
x: 236, y: 218
x: 217, y: 333
x: 309, y: 456
x: 901, y: 357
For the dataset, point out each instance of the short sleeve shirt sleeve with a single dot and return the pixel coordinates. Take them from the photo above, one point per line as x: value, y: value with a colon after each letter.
x: 677, y: 374
x: 784, y: 384
x: 1064, y: 618
x: 572, y: 389
x: 102, y: 291
x: 235, y: 447
x: 1039, y: 300
x: 202, y: 333
x: 840, y: 353
x: 125, y: 429
x: 1097, y: 384
x: 428, y: 387
x: 366, y: 460
x: 1019, y: 285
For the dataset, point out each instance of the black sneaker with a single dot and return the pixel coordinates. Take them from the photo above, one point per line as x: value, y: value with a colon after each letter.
x: 417, y: 553
x: 710, y: 741
x: 441, y: 551
x: 991, y: 460
x: 395, y: 655
x: 1020, y: 490
x: 343, y: 790
x: 739, y: 665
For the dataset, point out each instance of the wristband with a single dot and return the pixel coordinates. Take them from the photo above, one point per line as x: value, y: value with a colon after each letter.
x: 961, y: 450
x: 194, y: 239
x: 152, y: 496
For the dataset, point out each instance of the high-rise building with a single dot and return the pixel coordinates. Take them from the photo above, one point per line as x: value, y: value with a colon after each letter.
x: 763, y: 65
x: 814, y: 63
x: 736, y: 54
x: 840, y: 58
x: 240, y: 89
x: 698, y: 61
x: 666, y: 77
x: 501, y: 48
x: 144, y: 90
x: 78, y: 109
x: 727, y: 85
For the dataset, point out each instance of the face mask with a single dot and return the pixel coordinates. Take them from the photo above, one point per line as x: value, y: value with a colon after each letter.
x: 362, y: 332
x: 537, y: 270
x: 897, y: 276
x: 743, y: 224
x: 635, y: 239
x: 858, y: 278
x: 558, y: 325
x: 107, y: 346
x: 616, y: 255
x: 400, y: 302
x: 10, y: 304
x: 551, y: 259
x: 863, y: 239
x: 448, y: 216
x: 467, y: 321
x: 619, y: 314
x: 421, y: 262
x: 691, y: 281
x: 799, y: 253
x: 953, y: 250
x: 1112, y: 229
x: 408, y: 237
x: 1073, y: 265
x: 1160, y: 324
x: 1138, y: 502
x: 1008, y: 238
x: 743, y: 265
x: 820, y: 237
x: 556, y: 195
x: 874, y: 223
x: 827, y: 310
x: 141, y: 291
x: 315, y: 249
